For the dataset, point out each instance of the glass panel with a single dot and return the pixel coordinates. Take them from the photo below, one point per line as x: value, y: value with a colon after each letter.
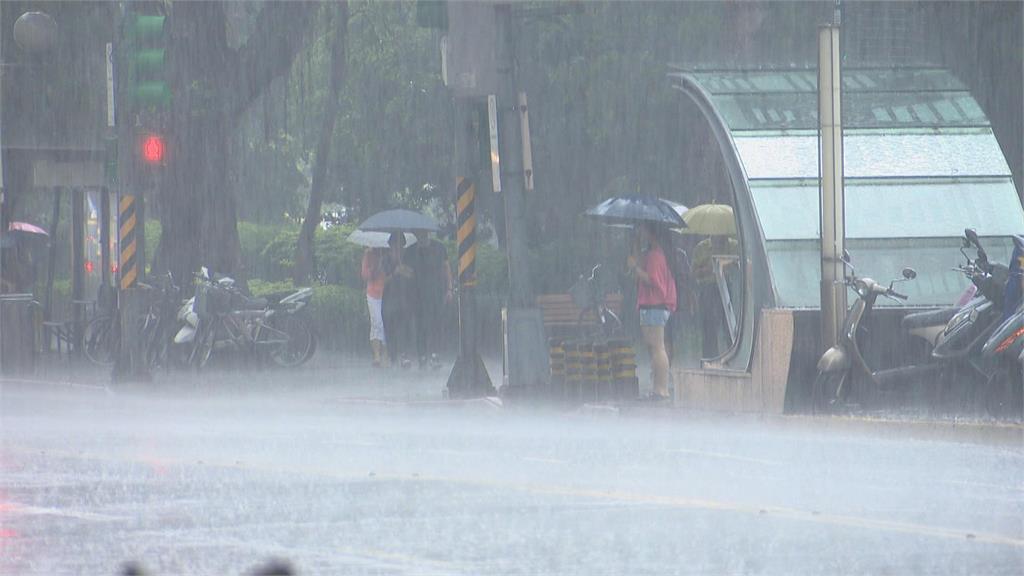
x: 882, y: 209
x: 796, y: 268
x: 860, y: 110
x: 877, y: 154
x: 906, y: 80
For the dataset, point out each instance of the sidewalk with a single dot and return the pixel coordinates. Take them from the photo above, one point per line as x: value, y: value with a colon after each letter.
x: 346, y: 379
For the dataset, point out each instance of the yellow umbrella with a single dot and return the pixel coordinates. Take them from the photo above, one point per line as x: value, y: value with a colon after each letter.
x: 710, y: 220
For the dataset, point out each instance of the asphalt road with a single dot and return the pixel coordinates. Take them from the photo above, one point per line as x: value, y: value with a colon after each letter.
x: 217, y: 478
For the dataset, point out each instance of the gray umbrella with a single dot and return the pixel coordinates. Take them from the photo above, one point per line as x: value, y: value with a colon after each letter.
x: 634, y: 209
x: 399, y: 220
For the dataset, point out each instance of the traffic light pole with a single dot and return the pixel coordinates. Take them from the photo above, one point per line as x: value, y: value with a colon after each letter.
x: 130, y: 363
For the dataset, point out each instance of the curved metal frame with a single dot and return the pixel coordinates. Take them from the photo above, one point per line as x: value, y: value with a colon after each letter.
x: 758, y: 293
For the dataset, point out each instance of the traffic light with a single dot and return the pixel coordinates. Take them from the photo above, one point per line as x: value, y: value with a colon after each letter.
x: 146, y: 41
x: 152, y: 148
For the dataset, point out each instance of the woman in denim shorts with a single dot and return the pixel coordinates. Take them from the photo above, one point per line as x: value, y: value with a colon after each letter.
x: 656, y: 298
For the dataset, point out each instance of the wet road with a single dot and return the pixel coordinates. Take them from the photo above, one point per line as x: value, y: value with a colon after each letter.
x: 214, y: 481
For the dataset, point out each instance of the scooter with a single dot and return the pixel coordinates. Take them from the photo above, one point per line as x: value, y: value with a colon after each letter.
x: 987, y: 281
x: 840, y: 363
x: 1004, y: 350
x: 969, y: 329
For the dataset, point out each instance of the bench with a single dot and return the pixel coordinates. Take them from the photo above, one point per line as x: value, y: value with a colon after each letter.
x: 561, y: 314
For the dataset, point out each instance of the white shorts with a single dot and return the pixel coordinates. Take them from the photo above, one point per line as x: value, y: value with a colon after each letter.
x: 376, y: 320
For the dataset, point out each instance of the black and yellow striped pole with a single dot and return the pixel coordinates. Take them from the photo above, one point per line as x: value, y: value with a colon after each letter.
x: 469, y: 378
x: 466, y: 219
x: 127, y: 241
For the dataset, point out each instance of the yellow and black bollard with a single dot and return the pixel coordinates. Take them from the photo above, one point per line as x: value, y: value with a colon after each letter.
x: 556, y: 357
x: 627, y: 384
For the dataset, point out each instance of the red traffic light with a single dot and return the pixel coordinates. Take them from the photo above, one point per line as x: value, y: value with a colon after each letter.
x: 153, y: 149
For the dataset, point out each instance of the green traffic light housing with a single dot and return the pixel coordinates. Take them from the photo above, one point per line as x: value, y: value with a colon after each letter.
x: 146, y: 26
x: 145, y: 39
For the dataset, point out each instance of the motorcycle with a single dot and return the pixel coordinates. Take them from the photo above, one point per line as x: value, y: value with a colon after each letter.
x: 840, y: 363
x: 1004, y: 350
x: 219, y: 317
x: 987, y: 281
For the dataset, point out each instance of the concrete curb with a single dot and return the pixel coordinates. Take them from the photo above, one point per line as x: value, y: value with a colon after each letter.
x: 1003, y: 434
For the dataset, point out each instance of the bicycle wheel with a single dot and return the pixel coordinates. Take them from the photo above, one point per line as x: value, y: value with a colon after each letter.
x: 300, y: 344
x: 101, y: 340
x: 156, y: 342
x: 202, y: 347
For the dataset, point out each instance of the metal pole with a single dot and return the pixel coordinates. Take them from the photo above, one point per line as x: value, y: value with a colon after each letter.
x: 526, y: 349
x: 830, y: 166
x: 77, y: 263
x: 469, y: 378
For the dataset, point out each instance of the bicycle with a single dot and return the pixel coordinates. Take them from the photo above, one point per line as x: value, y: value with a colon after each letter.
x: 101, y: 339
x: 262, y: 327
x: 589, y: 294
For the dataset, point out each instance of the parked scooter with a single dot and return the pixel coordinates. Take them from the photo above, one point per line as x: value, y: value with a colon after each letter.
x: 220, y: 317
x: 844, y: 361
x: 1003, y: 353
x: 987, y: 281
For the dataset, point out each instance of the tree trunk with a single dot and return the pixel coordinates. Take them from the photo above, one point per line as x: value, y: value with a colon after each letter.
x: 212, y: 85
x: 305, y: 257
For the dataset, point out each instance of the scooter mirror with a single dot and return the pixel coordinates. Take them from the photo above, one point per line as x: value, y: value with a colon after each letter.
x: 909, y: 273
x: 972, y: 235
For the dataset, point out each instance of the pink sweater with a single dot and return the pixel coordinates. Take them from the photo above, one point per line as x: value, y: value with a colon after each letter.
x: 661, y: 290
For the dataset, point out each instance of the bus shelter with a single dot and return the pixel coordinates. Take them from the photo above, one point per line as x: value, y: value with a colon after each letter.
x: 921, y: 165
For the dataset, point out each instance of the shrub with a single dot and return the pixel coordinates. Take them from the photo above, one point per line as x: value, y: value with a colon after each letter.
x: 254, y: 239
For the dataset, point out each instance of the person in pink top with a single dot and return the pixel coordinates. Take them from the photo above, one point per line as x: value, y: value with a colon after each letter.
x: 375, y: 275
x: 655, y: 298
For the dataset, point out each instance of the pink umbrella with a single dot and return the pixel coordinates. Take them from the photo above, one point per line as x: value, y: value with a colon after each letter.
x: 26, y: 227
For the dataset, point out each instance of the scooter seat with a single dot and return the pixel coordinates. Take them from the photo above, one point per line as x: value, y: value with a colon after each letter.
x: 938, y: 317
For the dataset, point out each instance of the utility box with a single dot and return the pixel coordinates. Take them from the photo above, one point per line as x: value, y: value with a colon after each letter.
x: 17, y: 334
x: 472, y: 55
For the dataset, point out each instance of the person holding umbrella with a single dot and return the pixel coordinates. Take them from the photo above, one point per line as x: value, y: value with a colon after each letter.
x: 375, y: 276
x: 432, y: 291
x: 374, y: 273
x: 715, y: 221
x: 398, y: 302
x: 652, y: 218
x: 656, y: 298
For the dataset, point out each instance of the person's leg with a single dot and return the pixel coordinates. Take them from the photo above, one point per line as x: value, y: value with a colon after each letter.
x: 654, y: 336
x: 422, y: 329
x: 376, y: 329
x: 391, y: 329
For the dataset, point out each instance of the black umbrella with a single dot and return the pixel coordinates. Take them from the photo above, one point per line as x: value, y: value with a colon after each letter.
x: 399, y: 221
x: 634, y: 209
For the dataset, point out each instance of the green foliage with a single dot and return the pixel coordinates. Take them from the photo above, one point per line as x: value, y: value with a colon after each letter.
x: 254, y: 239
x: 278, y: 256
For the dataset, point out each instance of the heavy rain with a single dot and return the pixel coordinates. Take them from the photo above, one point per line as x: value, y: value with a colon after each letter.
x: 490, y: 287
